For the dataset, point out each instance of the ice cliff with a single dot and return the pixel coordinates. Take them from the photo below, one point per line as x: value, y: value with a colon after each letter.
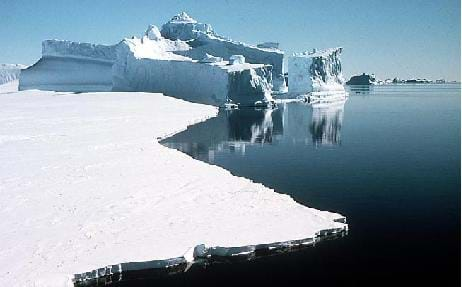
x: 150, y: 65
x: 316, y: 71
x: 10, y: 72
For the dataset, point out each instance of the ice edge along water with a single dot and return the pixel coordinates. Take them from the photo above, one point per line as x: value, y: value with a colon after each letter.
x: 70, y: 200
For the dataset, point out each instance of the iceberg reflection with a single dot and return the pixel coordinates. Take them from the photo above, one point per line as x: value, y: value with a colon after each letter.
x: 326, y: 123
x: 234, y: 130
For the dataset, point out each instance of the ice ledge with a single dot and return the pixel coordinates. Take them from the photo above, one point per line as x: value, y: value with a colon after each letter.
x: 202, y: 255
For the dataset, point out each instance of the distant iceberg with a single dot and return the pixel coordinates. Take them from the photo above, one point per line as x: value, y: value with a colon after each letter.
x: 362, y: 80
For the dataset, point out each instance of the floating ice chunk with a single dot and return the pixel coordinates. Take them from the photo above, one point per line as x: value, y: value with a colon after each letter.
x: 236, y: 59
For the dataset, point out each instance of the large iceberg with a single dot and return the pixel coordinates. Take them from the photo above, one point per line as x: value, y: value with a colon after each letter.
x: 185, y: 59
x: 316, y: 71
x: 175, y: 66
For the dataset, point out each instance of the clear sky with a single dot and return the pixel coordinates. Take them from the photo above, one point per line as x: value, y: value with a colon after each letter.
x: 405, y: 38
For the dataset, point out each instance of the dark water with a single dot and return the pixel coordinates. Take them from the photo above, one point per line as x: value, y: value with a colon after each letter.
x: 388, y: 159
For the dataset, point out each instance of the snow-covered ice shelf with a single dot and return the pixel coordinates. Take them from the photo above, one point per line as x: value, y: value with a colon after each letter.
x: 85, y: 184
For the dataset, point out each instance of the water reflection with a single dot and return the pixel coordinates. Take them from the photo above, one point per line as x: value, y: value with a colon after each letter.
x: 360, y: 89
x: 254, y: 126
x: 290, y: 123
x: 326, y: 124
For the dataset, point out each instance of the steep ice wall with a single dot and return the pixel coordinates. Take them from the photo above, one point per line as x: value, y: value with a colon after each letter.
x: 10, y: 72
x: 204, y: 40
x: 71, y: 66
x: 316, y: 72
x: 206, y: 82
x: 67, y: 75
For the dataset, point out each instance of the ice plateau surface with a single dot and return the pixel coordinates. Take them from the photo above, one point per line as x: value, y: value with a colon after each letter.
x: 85, y: 183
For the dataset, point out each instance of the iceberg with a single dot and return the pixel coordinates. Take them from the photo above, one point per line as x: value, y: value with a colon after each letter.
x: 188, y: 60
x: 363, y: 80
x: 316, y: 72
x: 173, y: 65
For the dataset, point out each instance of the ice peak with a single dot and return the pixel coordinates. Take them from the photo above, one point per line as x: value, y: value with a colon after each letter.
x: 183, y: 17
x: 153, y: 33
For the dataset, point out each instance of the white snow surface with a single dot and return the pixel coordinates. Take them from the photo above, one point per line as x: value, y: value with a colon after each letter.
x: 84, y: 183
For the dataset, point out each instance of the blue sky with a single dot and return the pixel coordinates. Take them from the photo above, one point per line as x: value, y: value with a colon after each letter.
x: 390, y: 38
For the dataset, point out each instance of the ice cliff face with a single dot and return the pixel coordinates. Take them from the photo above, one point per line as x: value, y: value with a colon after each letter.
x: 316, y: 72
x: 204, y: 41
x: 210, y: 81
x: 10, y: 72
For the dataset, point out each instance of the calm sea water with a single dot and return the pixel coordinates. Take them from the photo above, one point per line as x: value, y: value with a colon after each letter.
x: 388, y: 159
